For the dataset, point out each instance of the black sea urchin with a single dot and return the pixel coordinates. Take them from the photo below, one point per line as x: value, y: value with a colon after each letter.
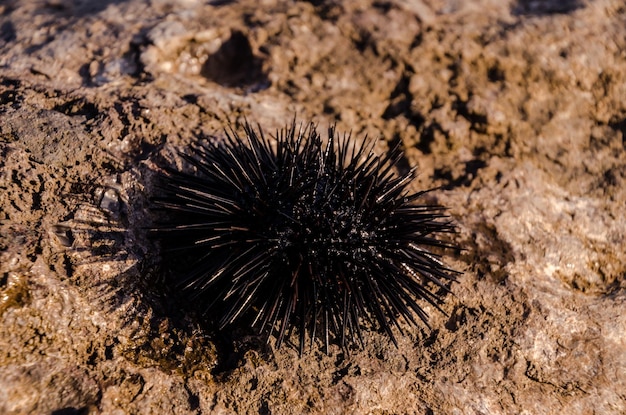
x: 297, y: 232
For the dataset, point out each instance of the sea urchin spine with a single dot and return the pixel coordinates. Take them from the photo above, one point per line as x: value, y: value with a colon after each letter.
x: 297, y: 232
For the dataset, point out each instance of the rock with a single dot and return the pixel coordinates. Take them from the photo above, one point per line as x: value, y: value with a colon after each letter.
x: 516, y: 109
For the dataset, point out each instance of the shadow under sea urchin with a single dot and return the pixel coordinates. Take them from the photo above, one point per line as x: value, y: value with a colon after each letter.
x: 297, y: 232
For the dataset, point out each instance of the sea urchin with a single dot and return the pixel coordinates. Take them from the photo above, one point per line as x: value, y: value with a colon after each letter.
x: 296, y: 231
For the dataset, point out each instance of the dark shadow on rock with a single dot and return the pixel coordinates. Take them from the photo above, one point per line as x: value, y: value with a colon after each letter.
x: 488, y: 253
x: 170, y: 330
x: 619, y: 124
x: 113, y: 230
x: 546, y: 7
x: 234, y: 65
x: 470, y: 172
x: 7, y: 32
x: 71, y: 411
x: 79, y: 8
x: 217, y: 3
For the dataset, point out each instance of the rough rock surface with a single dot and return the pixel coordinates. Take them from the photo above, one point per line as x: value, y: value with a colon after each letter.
x: 516, y: 108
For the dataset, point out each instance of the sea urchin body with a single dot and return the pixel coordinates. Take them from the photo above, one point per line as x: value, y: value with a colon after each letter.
x: 301, y: 232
